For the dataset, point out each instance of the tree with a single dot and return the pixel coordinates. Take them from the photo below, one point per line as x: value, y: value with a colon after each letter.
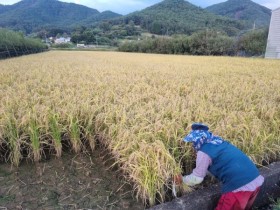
x: 210, y: 42
x: 254, y: 42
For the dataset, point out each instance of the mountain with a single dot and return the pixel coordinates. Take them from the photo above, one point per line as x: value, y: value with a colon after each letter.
x: 243, y: 10
x: 30, y: 15
x: 2, y: 8
x: 180, y: 17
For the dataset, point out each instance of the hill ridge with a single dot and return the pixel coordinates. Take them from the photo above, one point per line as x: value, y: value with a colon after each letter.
x: 246, y: 10
x: 180, y: 17
x: 30, y: 15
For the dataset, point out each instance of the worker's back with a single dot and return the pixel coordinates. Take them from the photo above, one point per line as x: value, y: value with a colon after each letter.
x: 230, y: 165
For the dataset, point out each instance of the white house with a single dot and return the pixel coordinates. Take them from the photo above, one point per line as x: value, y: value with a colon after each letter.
x: 62, y: 40
x: 81, y: 45
x: 273, y: 41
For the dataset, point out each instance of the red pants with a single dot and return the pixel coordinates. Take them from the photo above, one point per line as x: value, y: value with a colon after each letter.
x: 242, y: 200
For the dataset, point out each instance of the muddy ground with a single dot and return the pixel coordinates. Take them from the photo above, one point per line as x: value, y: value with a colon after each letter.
x: 72, y: 182
x: 83, y: 181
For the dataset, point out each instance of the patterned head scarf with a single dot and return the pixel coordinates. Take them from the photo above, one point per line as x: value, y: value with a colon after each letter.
x: 200, y: 135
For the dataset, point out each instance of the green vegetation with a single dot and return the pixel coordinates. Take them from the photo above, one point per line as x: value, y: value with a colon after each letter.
x: 254, y: 42
x: 243, y: 10
x: 6, y: 198
x: 174, y: 26
x: 63, y: 46
x: 51, y: 18
x: 276, y: 206
x: 207, y: 42
x: 165, y: 18
x: 40, y: 14
x: 15, y: 44
x: 179, y: 17
x: 105, y: 34
x: 55, y: 133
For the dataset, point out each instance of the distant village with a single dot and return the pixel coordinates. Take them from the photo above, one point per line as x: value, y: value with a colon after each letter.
x: 66, y: 40
x: 61, y: 40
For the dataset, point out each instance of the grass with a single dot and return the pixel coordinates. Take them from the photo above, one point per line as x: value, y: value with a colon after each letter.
x: 138, y: 106
x: 276, y: 206
x: 6, y: 198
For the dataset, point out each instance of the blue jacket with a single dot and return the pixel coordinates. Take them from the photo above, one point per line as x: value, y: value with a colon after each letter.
x: 231, y: 166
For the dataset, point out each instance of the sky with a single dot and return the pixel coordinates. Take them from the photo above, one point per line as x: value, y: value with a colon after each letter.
x: 127, y: 6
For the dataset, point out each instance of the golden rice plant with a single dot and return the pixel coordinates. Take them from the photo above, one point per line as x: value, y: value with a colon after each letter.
x: 13, y: 140
x: 150, y: 168
x: 89, y: 134
x: 74, y: 134
x: 34, y: 135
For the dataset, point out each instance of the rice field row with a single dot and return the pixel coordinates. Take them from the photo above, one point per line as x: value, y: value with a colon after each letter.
x: 138, y: 106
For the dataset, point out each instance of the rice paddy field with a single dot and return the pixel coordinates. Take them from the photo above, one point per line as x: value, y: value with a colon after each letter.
x: 137, y: 107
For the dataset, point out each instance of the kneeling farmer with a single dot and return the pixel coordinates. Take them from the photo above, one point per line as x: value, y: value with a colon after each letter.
x: 239, y: 175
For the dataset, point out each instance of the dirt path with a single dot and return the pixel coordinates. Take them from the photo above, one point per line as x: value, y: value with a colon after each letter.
x: 72, y: 182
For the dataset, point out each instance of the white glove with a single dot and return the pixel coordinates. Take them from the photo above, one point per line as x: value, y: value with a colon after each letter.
x: 192, y: 180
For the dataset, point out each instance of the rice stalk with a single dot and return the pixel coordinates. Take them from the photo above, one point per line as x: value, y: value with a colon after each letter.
x: 74, y: 131
x: 89, y: 132
x: 55, y: 133
x: 34, y: 134
x: 13, y: 140
x: 150, y: 168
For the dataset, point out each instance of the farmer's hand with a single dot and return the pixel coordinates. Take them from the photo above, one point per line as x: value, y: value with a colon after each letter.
x: 192, y: 180
x: 178, y: 179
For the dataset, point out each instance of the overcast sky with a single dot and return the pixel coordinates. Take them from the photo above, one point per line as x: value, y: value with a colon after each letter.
x: 127, y: 6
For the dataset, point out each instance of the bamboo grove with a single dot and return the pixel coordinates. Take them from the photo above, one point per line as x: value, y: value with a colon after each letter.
x: 138, y: 107
x: 14, y: 44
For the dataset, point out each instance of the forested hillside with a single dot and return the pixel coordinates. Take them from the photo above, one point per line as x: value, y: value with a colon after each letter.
x: 246, y: 10
x: 165, y: 18
x: 1, y: 8
x: 179, y: 17
x: 31, y: 15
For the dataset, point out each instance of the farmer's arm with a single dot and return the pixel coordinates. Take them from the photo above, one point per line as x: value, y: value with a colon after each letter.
x: 202, y: 163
